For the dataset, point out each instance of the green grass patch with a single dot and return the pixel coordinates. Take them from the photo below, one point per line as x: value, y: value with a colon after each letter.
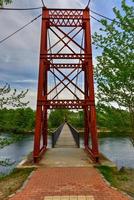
x: 121, y: 179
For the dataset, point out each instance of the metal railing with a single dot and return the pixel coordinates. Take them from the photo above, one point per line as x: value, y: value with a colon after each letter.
x: 75, y: 134
x: 55, y: 134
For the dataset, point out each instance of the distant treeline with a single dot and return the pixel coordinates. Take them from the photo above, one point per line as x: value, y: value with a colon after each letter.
x: 23, y: 120
x: 58, y: 116
x: 109, y: 119
x: 17, y: 120
x: 113, y: 119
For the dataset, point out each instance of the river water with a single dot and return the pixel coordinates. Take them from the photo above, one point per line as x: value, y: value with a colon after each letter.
x: 119, y: 150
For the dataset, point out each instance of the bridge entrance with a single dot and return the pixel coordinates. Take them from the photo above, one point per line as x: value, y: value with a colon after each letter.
x: 65, y: 152
x: 65, y: 73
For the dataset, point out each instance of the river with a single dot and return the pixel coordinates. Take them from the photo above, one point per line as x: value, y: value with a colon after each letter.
x: 119, y: 150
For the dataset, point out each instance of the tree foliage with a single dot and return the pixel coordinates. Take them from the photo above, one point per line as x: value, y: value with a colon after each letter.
x: 106, y: 122
x: 113, y: 120
x: 57, y: 117
x: 17, y: 120
x: 12, y: 98
x: 115, y: 68
x: 2, y: 2
x: 76, y: 119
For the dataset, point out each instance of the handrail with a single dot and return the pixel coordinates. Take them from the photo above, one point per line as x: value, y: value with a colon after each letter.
x: 75, y: 134
x: 55, y: 135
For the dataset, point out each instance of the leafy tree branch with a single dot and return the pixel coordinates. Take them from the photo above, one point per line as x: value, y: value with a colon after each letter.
x: 12, y: 98
x: 115, y: 69
x: 2, y: 2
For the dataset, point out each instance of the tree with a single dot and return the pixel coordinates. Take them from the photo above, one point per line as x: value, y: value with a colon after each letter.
x: 76, y: 119
x: 5, y: 1
x: 12, y: 98
x: 115, y: 68
x: 20, y: 120
x: 106, y: 116
x: 57, y: 117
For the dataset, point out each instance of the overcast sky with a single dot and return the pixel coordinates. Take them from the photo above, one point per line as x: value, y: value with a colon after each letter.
x: 19, y: 56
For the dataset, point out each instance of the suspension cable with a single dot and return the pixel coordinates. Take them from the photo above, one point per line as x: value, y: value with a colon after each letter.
x: 100, y: 15
x: 15, y: 9
x: 88, y: 3
x: 95, y: 18
x: 9, y: 36
x: 37, y: 8
x: 43, y: 3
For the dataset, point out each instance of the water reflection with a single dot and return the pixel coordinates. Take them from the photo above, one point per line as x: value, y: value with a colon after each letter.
x: 119, y: 150
x: 16, y: 152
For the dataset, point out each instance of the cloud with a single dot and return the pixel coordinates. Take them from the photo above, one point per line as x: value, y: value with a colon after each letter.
x: 65, y: 4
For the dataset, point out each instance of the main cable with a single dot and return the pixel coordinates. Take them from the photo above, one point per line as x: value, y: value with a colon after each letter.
x: 9, y: 36
x: 37, y: 8
x: 95, y: 18
x: 100, y: 15
x: 43, y: 3
x: 88, y: 3
x: 8, y: 9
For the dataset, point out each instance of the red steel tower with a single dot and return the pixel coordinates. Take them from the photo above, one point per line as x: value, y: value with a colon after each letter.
x: 66, y: 54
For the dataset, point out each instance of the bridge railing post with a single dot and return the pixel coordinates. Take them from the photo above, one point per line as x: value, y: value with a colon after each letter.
x: 75, y: 134
x: 55, y: 135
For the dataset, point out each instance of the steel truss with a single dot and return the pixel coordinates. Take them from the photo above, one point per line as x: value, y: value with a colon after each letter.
x: 56, y: 63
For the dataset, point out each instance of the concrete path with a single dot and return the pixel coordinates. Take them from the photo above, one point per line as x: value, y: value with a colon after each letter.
x: 65, y: 157
x: 65, y: 139
x: 67, y: 174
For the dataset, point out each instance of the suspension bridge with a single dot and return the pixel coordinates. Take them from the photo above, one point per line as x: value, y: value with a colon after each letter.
x: 66, y: 57
x: 65, y: 81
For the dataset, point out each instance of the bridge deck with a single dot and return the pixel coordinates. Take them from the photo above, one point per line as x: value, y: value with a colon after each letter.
x: 65, y: 139
x: 65, y: 153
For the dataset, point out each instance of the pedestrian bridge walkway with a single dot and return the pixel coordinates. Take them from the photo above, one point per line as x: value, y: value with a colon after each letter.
x: 65, y: 153
x: 65, y: 139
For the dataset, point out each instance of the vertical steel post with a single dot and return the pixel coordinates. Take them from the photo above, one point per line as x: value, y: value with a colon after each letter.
x: 41, y: 112
x: 90, y: 83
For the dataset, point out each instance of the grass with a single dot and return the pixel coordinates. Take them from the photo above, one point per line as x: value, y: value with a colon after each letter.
x: 121, y: 179
x: 12, y: 182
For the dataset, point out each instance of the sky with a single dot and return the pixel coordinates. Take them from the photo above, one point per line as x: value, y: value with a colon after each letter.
x: 19, y: 55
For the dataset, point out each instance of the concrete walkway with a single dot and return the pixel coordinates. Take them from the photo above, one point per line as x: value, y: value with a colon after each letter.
x: 67, y: 174
x: 65, y: 157
x: 66, y: 139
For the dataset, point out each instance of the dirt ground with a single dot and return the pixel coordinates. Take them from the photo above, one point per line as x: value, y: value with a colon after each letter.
x: 126, y: 182
x: 10, y: 183
x: 122, y: 179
